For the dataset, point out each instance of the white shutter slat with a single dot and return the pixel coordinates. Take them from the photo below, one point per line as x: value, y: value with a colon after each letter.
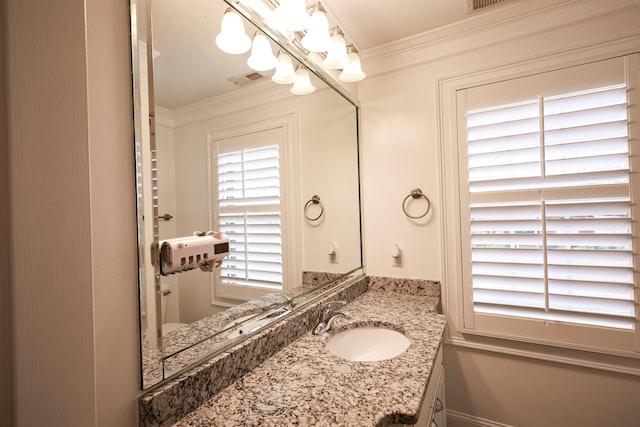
x: 521, y: 284
x: 267, y: 285
x: 588, y: 117
x: 585, y: 100
x: 556, y: 316
x: 506, y: 157
x: 526, y: 241
x: 508, y: 299
x: 591, y: 289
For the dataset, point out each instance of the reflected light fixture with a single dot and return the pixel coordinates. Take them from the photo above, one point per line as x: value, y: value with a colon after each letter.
x: 337, y: 57
x: 262, y: 58
x: 317, y: 38
x: 232, y: 38
x: 353, y: 71
x: 285, y: 73
x: 291, y: 15
x: 302, y: 85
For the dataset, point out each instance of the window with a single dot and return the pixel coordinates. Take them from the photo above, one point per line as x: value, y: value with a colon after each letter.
x: 547, y: 215
x: 248, y: 209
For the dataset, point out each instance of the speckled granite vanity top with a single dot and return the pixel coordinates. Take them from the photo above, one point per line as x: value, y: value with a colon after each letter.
x: 305, y: 385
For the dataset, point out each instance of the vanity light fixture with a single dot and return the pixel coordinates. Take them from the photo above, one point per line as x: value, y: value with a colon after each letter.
x: 232, y: 38
x: 337, y: 57
x: 291, y: 15
x: 353, y: 71
x: 317, y: 38
x: 302, y: 85
x: 285, y: 73
x: 262, y: 58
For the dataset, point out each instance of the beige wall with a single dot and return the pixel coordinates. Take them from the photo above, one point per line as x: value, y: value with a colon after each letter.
x: 401, y: 121
x: 72, y: 214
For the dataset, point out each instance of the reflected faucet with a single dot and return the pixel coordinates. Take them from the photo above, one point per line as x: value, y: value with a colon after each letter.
x: 327, y: 315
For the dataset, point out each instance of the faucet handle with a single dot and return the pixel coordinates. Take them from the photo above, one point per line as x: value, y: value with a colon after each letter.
x: 324, y: 307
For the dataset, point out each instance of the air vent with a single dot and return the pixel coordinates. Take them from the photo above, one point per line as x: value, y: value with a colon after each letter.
x: 479, y: 4
x: 246, y: 79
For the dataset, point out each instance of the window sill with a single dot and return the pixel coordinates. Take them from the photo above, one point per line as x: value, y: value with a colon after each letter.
x: 622, y: 364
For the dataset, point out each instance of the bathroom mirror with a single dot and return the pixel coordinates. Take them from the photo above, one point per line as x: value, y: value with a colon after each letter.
x: 198, y: 110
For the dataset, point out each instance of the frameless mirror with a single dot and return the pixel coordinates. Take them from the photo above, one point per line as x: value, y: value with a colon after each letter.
x: 221, y: 146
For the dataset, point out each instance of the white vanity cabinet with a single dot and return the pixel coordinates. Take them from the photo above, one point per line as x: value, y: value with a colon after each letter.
x: 433, y: 412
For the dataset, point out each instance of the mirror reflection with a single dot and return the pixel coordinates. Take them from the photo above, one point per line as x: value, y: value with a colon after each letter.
x: 269, y: 162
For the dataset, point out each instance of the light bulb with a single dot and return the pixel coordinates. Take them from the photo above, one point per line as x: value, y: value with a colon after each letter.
x: 261, y: 58
x: 353, y: 71
x: 337, y: 57
x: 291, y: 15
x: 285, y: 74
x: 317, y: 38
x: 232, y: 38
x: 302, y: 85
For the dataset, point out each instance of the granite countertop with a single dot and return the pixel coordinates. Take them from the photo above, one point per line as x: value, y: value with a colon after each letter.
x: 305, y: 385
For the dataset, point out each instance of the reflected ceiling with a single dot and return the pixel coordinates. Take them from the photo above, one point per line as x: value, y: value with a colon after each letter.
x: 368, y: 23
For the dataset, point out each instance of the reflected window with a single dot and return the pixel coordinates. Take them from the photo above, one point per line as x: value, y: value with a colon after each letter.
x: 249, y: 211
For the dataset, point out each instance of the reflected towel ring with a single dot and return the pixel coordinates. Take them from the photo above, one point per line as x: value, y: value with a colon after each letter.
x: 315, y: 200
x: 416, y: 193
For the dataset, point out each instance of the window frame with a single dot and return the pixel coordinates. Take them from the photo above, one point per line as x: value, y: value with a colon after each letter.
x: 289, y: 199
x: 457, y: 303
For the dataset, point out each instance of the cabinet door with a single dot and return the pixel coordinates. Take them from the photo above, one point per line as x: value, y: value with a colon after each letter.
x: 438, y: 411
x: 432, y: 411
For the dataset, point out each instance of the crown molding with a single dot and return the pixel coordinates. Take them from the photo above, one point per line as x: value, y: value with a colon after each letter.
x: 518, y: 19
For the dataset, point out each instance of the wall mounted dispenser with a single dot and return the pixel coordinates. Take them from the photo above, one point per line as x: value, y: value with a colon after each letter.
x: 203, y: 250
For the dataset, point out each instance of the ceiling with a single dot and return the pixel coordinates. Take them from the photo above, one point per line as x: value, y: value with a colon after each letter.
x: 372, y: 23
x: 188, y: 67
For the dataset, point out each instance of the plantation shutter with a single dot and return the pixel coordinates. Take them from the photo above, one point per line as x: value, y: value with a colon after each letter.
x: 249, y: 213
x: 549, y: 206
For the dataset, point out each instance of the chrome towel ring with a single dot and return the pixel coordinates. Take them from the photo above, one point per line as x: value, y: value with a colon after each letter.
x: 315, y: 200
x: 416, y: 193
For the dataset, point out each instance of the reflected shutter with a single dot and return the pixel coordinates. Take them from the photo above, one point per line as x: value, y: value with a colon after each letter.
x: 249, y: 213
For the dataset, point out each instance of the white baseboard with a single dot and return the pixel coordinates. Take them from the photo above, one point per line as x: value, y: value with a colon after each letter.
x: 458, y: 419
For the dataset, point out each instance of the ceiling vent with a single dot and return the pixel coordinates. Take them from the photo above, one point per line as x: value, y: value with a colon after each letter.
x: 246, y: 79
x: 479, y: 4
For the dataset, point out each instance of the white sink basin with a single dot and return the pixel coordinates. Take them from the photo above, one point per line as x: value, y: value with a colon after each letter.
x: 368, y: 344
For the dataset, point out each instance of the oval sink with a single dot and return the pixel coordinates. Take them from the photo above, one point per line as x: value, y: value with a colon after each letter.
x: 368, y: 344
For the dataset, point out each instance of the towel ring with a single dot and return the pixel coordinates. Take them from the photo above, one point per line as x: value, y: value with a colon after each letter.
x: 416, y: 193
x: 315, y: 200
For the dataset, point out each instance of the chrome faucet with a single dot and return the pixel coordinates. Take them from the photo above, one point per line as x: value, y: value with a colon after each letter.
x: 327, y: 315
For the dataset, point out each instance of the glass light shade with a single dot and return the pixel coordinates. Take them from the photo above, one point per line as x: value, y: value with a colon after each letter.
x: 262, y: 58
x: 302, y: 85
x: 285, y: 74
x: 232, y: 38
x: 317, y: 38
x: 352, y: 72
x: 337, y: 55
x: 291, y: 15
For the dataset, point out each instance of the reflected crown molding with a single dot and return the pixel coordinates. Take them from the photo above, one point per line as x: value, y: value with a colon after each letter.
x: 249, y: 97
